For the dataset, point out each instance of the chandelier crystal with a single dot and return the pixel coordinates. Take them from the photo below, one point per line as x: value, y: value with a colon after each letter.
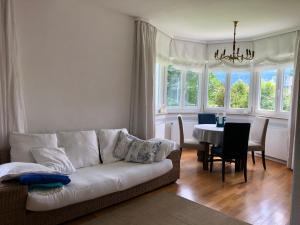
x: 235, y: 55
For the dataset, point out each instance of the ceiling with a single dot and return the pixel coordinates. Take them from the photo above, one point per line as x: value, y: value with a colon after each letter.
x: 211, y: 20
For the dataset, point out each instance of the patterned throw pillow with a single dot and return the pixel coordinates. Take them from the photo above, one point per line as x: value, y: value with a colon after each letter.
x: 123, y: 144
x: 142, y: 151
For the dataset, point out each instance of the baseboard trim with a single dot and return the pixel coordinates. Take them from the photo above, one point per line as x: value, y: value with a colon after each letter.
x: 271, y: 158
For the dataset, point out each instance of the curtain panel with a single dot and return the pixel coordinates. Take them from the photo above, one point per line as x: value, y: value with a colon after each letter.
x: 141, y: 121
x: 294, y: 106
x: 12, y: 111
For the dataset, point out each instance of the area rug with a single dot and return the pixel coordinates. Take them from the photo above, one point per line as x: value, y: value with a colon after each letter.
x: 161, y: 209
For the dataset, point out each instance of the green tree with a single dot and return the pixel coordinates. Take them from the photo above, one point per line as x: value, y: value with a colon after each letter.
x: 267, y: 95
x: 239, y: 95
x: 192, y: 83
x: 173, y: 86
x: 216, y: 91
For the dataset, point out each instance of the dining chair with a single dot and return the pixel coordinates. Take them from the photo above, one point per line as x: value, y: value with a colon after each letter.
x: 206, y: 118
x: 257, y: 142
x: 190, y: 143
x: 234, y: 148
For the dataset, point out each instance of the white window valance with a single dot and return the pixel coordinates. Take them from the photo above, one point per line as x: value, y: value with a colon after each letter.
x: 188, y: 53
x: 275, y: 49
x: 162, y: 48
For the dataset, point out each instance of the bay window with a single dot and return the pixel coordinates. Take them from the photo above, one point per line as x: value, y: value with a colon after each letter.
x: 268, y: 91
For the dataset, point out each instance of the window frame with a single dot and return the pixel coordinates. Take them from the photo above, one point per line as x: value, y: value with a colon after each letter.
x: 227, y: 96
x: 182, y: 107
x: 278, y: 112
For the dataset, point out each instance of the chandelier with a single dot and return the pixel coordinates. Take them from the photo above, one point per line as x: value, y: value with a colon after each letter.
x: 235, y: 55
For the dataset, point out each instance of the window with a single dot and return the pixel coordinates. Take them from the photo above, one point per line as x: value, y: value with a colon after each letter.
x: 268, y: 80
x: 173, y: 87
x: 239, y: 89
x: 191, y: 88
x: 288, y: 77
x: 216, y: 89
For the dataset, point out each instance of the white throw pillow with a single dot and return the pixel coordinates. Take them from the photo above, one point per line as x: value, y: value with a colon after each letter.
x: 166, y: 147
x: 15, y: 169
x: 54, y: 158
x: 21, y: 145
x: 81, y: 147
x: 107, y: 140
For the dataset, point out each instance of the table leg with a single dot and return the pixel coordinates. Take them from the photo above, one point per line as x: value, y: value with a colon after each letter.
x: 203, y: 155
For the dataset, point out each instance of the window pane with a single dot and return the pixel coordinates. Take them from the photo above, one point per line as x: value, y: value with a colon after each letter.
x: 288, y: 78
x: 174, y: 86
x: 216, y: 89
x: 268, y: 89
x: 239, y: 92
x: 192, y: 84
x: 158, y: 87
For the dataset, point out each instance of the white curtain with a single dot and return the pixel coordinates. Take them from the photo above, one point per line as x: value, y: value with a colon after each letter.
x: 295, y: 138
x: 12, y: 113
x: 295, y: 105
x: 142, y: 94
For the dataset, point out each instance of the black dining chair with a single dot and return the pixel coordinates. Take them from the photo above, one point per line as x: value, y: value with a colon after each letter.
x: 234, y: 148
x: 206, y: 118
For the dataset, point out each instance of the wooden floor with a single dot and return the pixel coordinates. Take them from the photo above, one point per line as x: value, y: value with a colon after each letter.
x: 263, y: 200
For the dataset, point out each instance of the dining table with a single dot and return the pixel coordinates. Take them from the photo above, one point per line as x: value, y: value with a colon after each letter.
x: 207, y: 134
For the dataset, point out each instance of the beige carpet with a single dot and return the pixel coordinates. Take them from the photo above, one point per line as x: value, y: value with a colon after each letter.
x: 161, y: 209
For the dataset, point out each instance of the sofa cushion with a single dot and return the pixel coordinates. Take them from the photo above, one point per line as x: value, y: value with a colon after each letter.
x: 107, y: 140
x: 141, y: 151
x: 81, y: 147
x: 21, y: 144
x: 123, y: 145
x: 54, y: 158
x: 93, y: 182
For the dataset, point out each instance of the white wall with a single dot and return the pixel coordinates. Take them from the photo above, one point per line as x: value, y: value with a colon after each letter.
x: 76, y: 60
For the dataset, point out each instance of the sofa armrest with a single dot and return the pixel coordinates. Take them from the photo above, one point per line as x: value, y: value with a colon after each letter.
x: 175, y: 156
x: 12, y: 197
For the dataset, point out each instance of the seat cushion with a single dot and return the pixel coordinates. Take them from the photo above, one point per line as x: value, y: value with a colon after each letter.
x: 217, y: 151
x: 254, y: 146
x: 81, y: 147
x: 93, y: 182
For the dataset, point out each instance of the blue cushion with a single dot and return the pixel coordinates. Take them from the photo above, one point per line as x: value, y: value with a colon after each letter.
x: 42, y: 178
x: 217, y: 150
x: 45, y: 186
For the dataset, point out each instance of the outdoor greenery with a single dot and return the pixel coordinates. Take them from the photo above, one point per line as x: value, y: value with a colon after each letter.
x: 173, y: 86
x: 192, y: 88
x: 239, y: 95
x: 287, y: 89
x: 216, y: 91
x: 267, y: 95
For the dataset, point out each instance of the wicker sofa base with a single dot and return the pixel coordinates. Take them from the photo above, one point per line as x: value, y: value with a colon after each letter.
x: 18, y: 214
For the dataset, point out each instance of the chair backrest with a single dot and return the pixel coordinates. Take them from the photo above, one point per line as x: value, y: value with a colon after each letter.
x: 235, y: 140
x: 181, y: 134
x: 206, y: 118
x: 258, y: 131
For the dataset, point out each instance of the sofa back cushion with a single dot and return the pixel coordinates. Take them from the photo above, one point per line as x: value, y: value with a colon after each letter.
x: 21, y: 145
x: 81, y: 147
x: 107, y: 140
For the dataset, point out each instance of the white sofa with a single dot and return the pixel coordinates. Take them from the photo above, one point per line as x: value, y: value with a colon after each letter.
x: 95, y: 184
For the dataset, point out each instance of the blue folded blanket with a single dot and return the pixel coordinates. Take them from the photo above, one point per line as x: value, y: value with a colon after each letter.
x: 43, y: 178
x: 33, y: 187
